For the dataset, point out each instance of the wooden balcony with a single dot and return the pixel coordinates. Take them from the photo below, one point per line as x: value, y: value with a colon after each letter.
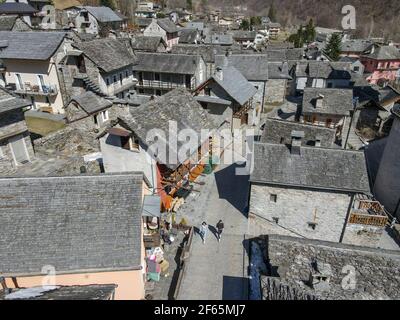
x: 369, y: 213
x: 161, y: 85
x: 34, y: 89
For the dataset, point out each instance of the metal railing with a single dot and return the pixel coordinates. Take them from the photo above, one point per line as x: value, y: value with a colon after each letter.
x: 27, y: 88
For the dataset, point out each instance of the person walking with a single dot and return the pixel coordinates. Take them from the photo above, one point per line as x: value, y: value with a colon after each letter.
x: 220, y: 228
x: 203, y: 231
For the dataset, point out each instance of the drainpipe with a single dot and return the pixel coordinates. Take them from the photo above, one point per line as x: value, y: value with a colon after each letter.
x: 347, y: 218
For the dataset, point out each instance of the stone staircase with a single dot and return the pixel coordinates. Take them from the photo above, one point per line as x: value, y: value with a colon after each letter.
x: 92, y: 86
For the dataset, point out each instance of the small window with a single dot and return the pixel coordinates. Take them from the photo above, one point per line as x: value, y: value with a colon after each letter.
x: 115, y: 79
x: 273, y: 198
x: 127, y: 73
x: 312, y: 225
x: 356, y: 69
x: 108, y: 81
x: 275, y: 219
x: 282, y: 140
x: 95, y: 120
x: 104, y: 115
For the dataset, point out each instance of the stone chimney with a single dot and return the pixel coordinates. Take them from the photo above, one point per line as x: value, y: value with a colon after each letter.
x: 318, y: 141
x: 319, y: 101
x: 219, y: 73
x: 297, y: 138
x: 320, y: 276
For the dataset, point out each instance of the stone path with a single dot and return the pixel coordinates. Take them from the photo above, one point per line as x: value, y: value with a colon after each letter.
x: 216, y: 270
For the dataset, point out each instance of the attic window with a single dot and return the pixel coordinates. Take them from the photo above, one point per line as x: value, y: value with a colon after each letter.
x: 312, y: 225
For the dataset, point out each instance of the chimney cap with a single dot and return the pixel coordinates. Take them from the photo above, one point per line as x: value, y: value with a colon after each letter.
x: 297, y: 134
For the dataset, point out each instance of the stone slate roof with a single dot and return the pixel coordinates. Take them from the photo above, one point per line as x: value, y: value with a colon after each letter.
x: 7, y: 22
x: 146, y: 43
x: 107, y: 53
x: 177, y: 105
x: 103, y: 14
x: 335, y: 101
x: 385, y: 53
x: 167, y: 25
x: 17, y: 7
x: 285, y: 54
x: 218, y: 38
x: 235, y: 85
x: 316, y: 168
x: 88, y: 292
x: 91, y: 102
x: 324, y: 69
x: 143, y: 22
x: 9, y: 102
x: 30, y: 45
x: 167, y: 63
x: 244, y: 35
x: 188, y: 36
x: 356, y: 45
x: 254, y: 67
x: 377, y: 270
x: 74, y: 223
x: 197, y: 25
x: 276, y: 129
x: 207, y: 51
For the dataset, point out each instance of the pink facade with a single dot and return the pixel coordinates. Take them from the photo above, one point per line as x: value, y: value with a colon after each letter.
x: 380, y: 69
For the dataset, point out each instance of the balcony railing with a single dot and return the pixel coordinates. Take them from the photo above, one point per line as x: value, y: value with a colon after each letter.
x: 161, y: 84
x: 47, y: 90
x: 370, y: 213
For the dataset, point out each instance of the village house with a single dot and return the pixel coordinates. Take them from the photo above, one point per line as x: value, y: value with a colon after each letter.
x: 88, y: 104
x: 280, y: 132
x: 190, y: 36
x: 144, y: 12
x: 225, y: 22
x: 65, y: 231
x: 274, y: 29
x: 126, y: 144
x: 373, y: 115
x: 15, y: 142
x: 96, y: 20
x: 305, y: 191
x: 382, y: 157
x: 305, y: 269
x: 164, y: 28
x: 354, y: 48
x: 20, y: 8
x: 30, y: 62
x: 13, y: 23
x: 158, y: 73
x: 355, y: 64
x: 103, y: 66
x: 244, y: 37
x: 148, y: 44
x: 331, y: 108
x: 218, y: 38
x: 88, y: 292
x: 382, y: 65
x: 320, y: 74
x: 228, y: 97
x: 142, y: 23
x: 269, y: 78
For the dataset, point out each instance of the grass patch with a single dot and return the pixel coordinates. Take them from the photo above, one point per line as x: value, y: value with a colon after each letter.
x: 41, y: 126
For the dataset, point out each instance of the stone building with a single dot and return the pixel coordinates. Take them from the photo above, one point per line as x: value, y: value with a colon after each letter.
x: 145, y: 138
x: 304, y: 269
x: 148, y: 44
x: 229, y: 97
x: 64, y: 227
x: 331, y: 108
x: 88, y: 104
x: 280, y: 131
x: 164, y: 28
x: 320, y: 74
x: 31, y: 61
x: 15, y: 142
x: 159, y: 73
x: 304, y: 191
x: 270, y: 78
x: 13, y: 23
x: 386, y: 186
x: 103, y: 66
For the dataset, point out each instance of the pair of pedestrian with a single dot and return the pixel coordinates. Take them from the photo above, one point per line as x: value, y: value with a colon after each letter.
x: 204, y: 229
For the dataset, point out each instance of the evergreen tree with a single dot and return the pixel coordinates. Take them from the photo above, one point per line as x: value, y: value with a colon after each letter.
x: 272, y: 13
x: 310, y: 33
x: 245, y: 25
x: 189, y: 4
x: 333, y: 47
x: 108, y: 3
